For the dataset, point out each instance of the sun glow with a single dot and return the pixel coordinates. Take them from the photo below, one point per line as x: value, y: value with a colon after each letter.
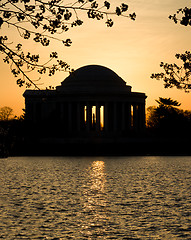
x: 133, y: 50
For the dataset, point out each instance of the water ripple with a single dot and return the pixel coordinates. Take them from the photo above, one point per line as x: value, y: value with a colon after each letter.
x: 95, y: 198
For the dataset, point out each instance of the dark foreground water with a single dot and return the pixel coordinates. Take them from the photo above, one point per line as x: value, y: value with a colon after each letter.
x: 95, y: 198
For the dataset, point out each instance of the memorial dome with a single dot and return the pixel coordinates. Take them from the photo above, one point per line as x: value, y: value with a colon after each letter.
x: 93, y: 78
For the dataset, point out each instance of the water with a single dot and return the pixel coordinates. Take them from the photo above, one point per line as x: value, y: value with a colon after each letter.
x: 95, y: 198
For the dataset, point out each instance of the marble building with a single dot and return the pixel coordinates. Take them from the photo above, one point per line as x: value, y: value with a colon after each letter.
x: 91, y: 101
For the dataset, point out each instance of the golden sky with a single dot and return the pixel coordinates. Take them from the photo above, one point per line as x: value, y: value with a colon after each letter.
x: 133, y: 49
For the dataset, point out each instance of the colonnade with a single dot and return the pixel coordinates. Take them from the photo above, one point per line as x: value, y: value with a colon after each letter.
x: 92, y: 117
x: 80, y: 117
x: 107, y: 117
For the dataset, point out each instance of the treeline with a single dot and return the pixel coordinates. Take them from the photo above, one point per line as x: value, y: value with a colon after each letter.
x: 168, y: 120
x: 12, y: 130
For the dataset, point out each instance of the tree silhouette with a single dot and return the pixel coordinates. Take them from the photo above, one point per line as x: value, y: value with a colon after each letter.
x: 165, y: 117
x: 5, y: 113
x: 174, y: 75
x: 182, y: 16
x: 42, y: 21
x: 167, y: 103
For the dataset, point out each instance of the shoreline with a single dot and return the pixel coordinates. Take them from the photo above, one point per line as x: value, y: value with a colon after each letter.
x: 143, y: 146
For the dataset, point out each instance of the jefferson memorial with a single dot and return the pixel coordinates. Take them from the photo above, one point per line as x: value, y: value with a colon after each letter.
x: 92, y: 101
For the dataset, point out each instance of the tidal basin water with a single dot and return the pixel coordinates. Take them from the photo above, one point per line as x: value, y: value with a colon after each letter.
x: 95, y: 198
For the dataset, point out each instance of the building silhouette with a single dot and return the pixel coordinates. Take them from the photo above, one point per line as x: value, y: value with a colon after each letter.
x: 93, y: 101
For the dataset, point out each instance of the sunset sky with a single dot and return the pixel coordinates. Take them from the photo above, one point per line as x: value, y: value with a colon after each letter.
x: 133, y: 49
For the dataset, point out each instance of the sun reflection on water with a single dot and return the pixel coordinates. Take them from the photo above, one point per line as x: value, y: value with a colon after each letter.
x: 95, y: 203
x: 97, y: 176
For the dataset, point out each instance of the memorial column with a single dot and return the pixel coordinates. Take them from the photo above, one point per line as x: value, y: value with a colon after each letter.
x: 33, y: 107
x: 123, y: 117
x: 128, y: 109
x: 97, y: 117
x: 106, y: 117
x: 78, y: 117
x: 89, y: 117
x: 115, y: 117
x: 135, y: 117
